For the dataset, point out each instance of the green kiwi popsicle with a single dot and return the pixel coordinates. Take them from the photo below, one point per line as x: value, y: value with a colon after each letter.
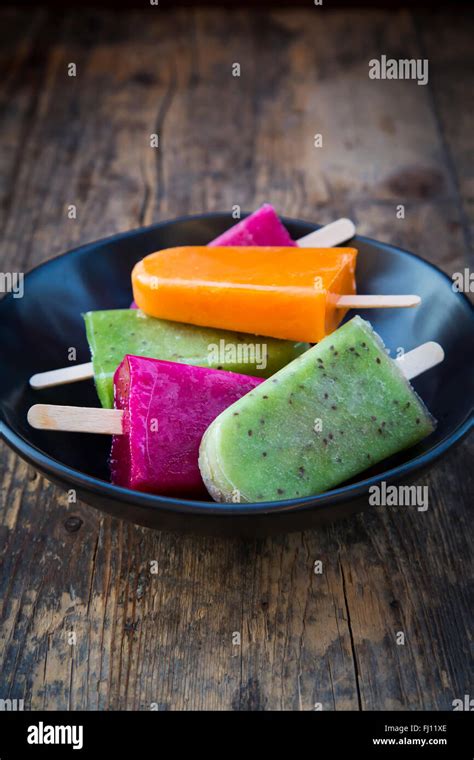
x: 115, y: 333
x: 338, y: 409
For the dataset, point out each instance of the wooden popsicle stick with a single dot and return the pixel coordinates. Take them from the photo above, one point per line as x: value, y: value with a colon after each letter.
x: 377, y: 302
x: 420, y: 359
x: 76, y: 419
x: 329, y: 236
x: 62, y: 376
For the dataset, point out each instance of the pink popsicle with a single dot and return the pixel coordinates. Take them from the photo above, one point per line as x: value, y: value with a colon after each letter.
x: 168, y: 407
x: 263, y: 227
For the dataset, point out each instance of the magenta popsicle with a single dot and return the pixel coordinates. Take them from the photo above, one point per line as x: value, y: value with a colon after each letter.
x: 263, y: 227
x: 168, y: 407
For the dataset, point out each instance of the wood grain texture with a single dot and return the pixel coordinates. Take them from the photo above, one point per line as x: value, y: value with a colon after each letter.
x: 157, y: 618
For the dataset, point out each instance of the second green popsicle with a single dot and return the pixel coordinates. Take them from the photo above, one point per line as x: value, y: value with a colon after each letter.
x: 114, y: 333
x: 335, y: 411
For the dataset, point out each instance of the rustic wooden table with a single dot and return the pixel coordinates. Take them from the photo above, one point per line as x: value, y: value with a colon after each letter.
x: 169, y: 640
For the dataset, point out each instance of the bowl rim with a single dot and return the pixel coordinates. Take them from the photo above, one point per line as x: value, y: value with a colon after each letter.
x: 57, y: 469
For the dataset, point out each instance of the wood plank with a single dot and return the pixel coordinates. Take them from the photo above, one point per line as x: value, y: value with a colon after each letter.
x: 448, y: 46
x: 167, y: 638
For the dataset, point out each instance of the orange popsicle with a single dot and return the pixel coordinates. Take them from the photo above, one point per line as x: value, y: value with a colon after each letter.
x: 281, y: 292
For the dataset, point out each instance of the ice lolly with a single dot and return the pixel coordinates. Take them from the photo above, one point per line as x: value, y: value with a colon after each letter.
x: 168, y: 406
x: 340, y: 408
x: 256, y: 289
x: 162, y: 411
x: 113, y: 334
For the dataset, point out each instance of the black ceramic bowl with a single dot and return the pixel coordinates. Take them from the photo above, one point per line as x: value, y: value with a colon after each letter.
x: 37, y: 330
